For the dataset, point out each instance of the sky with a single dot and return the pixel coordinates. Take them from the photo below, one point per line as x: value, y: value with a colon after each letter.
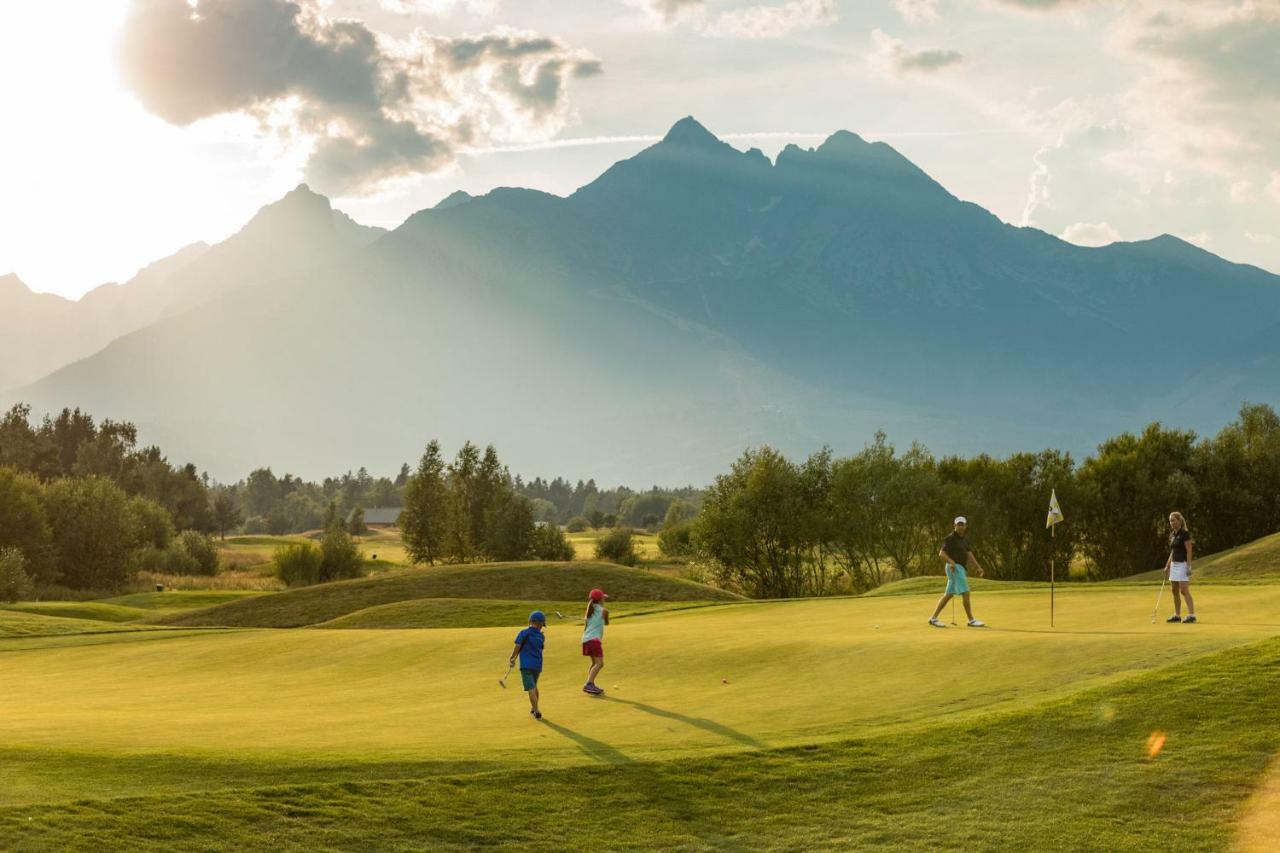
x: 134, y: 127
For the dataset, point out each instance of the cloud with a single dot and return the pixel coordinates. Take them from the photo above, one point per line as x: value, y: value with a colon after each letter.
x: 369, y: 107
x: 893, y: 55
x: 918, y: 11
x: 669, y: 13
x: 763, y: 22
x: 1041, y: 5
x: 1091, y: 234
x: 1079, y: 149
x: 1254, y: 237
x: 440, y: 8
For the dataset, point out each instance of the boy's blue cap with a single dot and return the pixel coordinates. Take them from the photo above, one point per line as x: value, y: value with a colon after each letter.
x: 538, y: 616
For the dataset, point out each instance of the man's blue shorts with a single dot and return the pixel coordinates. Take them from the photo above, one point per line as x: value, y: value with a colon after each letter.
x: 957, y: 581
x: 529, y: 677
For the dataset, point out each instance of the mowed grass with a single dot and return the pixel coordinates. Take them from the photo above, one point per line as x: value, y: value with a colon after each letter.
x: 1069, y: 774
x: 799, y: 672
x: 18, y: 623
x: 482, y: 613
x: 96, y: 610
x: 499, y: 581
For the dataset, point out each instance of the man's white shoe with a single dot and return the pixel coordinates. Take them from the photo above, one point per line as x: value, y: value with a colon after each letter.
x: 977, y: 623
x: 936, y: 622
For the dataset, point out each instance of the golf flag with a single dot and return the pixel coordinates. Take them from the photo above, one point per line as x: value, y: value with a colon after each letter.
x: 1055, y: 511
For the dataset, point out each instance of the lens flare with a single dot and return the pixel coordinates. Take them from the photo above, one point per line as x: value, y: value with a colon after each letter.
x: 1155, y: 743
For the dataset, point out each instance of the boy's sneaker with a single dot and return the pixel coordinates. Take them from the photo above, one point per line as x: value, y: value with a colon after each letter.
x: 1189, y: 620
x: 1174, y: 619
x: 936, y: 622
x: 977, y: 623
x: 591, y: 689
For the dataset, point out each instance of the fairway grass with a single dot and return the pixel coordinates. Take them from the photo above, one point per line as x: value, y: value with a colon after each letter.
x: 481, y: 613
x: 531, y: 581
x: 1066, y: 774
x: 798, y: 672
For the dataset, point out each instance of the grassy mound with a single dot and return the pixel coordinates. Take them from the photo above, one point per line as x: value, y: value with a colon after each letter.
x: 96, y: 610
x: 178, y: 600
x: 15, y: 623
x: 1075, y: 774
x: 481, y: 613
x: 1256, y: 560
x: 503, y: 582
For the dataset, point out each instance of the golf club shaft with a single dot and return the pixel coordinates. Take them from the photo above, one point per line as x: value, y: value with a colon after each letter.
x: 1158, y: 597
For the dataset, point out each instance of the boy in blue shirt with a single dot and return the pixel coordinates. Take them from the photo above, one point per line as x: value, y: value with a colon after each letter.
x: 529, y: 643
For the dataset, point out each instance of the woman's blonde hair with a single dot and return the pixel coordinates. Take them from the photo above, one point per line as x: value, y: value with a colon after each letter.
x: 1178, y: 515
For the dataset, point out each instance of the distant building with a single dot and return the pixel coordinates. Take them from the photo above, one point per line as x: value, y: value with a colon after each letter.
x: 379, y: 517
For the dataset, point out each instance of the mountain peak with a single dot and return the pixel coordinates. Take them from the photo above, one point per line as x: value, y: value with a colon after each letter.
x: 454, y: 199
x: 688, y: 131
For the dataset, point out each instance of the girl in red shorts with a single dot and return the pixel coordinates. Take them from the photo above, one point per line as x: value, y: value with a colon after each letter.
x: 597, y: 616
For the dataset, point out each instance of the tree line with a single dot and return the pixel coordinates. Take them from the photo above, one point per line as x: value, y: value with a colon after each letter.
x: 774, y: 527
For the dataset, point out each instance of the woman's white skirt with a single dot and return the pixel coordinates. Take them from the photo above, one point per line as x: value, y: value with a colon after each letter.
x: 1179, y: 572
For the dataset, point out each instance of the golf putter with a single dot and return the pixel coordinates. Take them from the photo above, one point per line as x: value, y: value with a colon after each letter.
x: 502, y: 682
x: 561, y: 615
x: 953, y: 602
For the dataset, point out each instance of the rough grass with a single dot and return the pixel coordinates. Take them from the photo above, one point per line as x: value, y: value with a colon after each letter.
x: 584, y: 544
x: 177, y: 600
x: 482, y: 613
x: 24, y: 624
x: 1072, y: 774
x: 95, y: 610
x: 501, y: 581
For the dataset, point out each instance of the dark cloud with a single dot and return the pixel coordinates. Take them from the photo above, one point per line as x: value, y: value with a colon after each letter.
x: 376, y: 108
x: 893, y: 55
x: 927, y: 60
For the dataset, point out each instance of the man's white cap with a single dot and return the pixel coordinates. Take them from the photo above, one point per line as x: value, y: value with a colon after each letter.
x: 960, y: 520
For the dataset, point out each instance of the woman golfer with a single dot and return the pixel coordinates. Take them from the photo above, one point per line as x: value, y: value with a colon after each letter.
x: 1177, y: 569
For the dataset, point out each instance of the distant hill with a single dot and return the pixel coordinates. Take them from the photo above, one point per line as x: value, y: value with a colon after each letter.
x: 691, y: 301
x: 40, y: 333
x: 499, y: 582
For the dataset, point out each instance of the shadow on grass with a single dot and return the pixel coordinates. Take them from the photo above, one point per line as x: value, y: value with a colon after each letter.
x: 697, y: 722
x: 597, y: 749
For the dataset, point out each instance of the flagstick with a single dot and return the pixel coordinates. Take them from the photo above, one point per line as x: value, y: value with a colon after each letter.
x: 1052, y: 535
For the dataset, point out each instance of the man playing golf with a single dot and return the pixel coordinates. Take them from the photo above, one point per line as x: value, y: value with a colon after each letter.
x: 955, y: 550
x: 529, y: 643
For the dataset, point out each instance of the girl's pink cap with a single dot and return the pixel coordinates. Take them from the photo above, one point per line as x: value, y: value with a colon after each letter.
x: 598, y: 595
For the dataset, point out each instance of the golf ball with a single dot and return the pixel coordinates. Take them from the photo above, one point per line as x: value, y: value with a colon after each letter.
x: 724, y: 681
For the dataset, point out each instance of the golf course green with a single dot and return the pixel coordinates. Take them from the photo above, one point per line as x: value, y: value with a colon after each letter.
x: 386, y: 727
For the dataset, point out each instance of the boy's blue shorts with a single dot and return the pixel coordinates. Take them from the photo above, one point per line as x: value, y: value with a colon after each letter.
x: 957, y: 580
x: 529, y: 677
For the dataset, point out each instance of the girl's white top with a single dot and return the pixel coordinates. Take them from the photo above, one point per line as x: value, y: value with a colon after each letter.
x: 595, y: 624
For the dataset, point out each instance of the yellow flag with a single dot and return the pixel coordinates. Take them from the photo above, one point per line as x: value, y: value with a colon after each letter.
x: 1055, y: 511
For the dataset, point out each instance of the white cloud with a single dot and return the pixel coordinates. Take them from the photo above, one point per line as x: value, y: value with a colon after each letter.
x: 892, y: 55
x: 763, y: 22
x: 669, y: 13
x: 1254, y: 237
x: 1273, y: 187
x: 440, y: 8
x: 918, y: 11
x: 1091, y: 234
x: 366, y: 107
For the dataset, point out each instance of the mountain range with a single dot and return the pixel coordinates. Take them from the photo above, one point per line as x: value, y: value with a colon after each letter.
x: 691, y: 301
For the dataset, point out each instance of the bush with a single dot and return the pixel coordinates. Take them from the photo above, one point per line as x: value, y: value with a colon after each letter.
x: 152, y: 524
x: 357, y: 525
x: 617, y: 546
x: 676, y: 540
x: 577, y: 524
x: 255, y: 526
x: 164, y: 561
x: 201, y: 549
x: 339, y: 556
x: 549, y: 543
x: 94, y: 532
x: 297, y: 564
x: 15, y: 585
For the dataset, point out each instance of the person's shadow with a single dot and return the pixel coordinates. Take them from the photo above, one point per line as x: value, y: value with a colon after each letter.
x: 697, y: 722
x: 597, y: 749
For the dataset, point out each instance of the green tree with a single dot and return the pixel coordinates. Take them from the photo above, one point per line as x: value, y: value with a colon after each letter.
x: 509, y: 528
x: 356, y: 526
x: 15, y: 583
x: 339, y: 556
x: 596, y: 518
x: 226, y: 515
x: 550, y: 543
x: 464, y: 527
x: 617, y: 546
x: 201, y: 549
x: 152, y: 524
x: 24, y: 525
x: 262, y: 493
x: 1127, y: 491
x: 426, y: 507
x: 93, y: 531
